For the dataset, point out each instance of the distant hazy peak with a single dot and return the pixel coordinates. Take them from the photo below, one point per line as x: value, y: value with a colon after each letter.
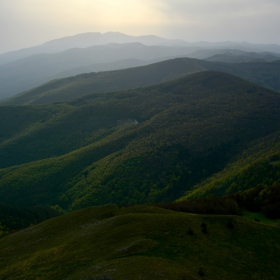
x: 97, y: 38
x: 85, y: 40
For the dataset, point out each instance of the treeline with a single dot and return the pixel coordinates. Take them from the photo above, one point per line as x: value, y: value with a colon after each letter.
x: 16, y: 218
x: 257, y: 166
x: 264, y: 199
x: 211, y: 205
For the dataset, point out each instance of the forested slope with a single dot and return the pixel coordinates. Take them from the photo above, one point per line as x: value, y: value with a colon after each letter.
x: 259, y: 165
x: 186, y: 130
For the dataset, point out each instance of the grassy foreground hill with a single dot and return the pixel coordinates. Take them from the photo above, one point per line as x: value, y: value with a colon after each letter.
x: 144, y: 145
x: 61, y: 90
x: 141, y: 242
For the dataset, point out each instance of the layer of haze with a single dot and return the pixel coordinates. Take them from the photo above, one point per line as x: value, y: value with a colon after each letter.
x: 25, y: 23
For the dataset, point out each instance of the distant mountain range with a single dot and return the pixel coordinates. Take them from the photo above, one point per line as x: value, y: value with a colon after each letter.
x: 158, y: 134
x: 235, y: 55
x: 31, y: 71
x: 89, y: 39
x: 86, y: 40
x: 93, y: 52
x: 265, y: 74
x: 232, y: 58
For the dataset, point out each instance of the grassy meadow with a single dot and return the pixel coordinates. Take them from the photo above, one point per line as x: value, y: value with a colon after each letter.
x: 141, y: 242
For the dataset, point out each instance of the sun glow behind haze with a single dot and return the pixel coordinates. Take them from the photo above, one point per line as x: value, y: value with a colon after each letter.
x: 25, y: 23
x: 106, y: 15
x: 51, y: 19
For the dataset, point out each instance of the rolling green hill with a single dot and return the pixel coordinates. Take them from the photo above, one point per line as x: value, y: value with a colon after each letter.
x: 144, y: 145
x: 264, y: 74
x: 141, y: 242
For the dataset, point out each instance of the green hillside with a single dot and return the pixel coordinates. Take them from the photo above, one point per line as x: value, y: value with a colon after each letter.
x: 264, y: 74
x: 144, y: 145
x: 141, y: 242
x: 256, y: 166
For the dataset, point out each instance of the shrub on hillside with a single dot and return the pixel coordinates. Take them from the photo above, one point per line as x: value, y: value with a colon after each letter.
x: 265, y: 199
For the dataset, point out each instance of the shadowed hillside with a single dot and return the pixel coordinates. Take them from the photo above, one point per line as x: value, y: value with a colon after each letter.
x: 256, y: 166
x: 100, y: 149
x: 264, y: 74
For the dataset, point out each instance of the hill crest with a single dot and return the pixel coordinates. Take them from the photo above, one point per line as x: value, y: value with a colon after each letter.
x: 67, y: 89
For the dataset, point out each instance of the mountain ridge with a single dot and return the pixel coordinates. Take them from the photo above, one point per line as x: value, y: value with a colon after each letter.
x: 39, y: 68
x: 187, y: 130
x: 84, y: 40
x: 264, y: 74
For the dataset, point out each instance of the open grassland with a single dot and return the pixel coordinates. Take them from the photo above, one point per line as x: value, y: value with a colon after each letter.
x: 141, y: 242
x: 261, y: 218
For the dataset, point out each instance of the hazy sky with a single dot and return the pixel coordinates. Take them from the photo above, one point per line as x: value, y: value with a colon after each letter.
x: 25, y: 23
